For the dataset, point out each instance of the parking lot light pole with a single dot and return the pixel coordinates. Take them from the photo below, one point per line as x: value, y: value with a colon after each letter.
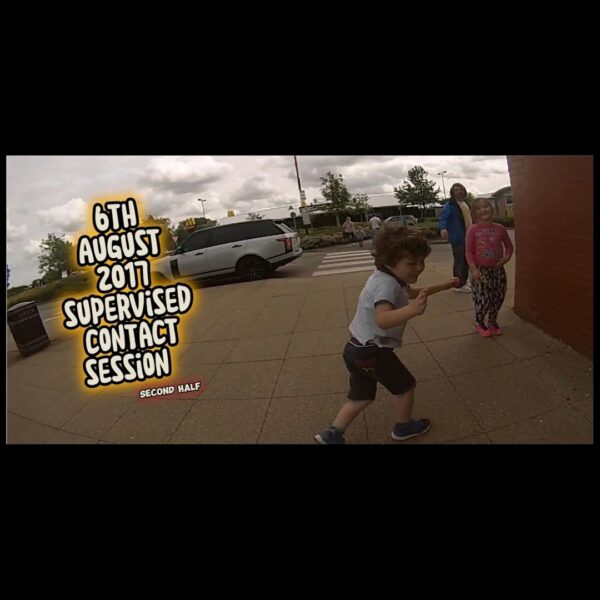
x: 203, y: 212
x: 443, y: 186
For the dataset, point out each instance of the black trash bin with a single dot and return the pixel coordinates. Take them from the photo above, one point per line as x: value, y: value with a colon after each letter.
x: 27, y: 328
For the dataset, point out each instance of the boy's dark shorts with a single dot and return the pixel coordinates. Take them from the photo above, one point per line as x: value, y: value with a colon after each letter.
x: 371, y: 364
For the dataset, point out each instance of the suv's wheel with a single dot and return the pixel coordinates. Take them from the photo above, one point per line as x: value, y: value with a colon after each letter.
x: 253, y: 267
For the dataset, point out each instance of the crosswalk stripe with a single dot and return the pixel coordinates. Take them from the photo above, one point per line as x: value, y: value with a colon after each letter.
x: 339, y: 271
x: 348, y: 258
x: 332, y: 255
x: 348, y: 263
x: 335, y: 263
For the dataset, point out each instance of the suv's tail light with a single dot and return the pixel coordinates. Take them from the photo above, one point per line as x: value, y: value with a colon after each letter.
x: 287, y: 243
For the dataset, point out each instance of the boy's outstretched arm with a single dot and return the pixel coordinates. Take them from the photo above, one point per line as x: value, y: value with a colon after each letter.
x: 413, y: 292
x: 386, y: 316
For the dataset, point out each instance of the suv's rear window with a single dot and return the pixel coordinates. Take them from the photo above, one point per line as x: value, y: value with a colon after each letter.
x: 285, y: 227
x: 245, y: 231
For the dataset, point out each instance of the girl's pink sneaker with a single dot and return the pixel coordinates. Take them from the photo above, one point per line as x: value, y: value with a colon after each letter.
x: 482, y: 330
x: 495, y: 329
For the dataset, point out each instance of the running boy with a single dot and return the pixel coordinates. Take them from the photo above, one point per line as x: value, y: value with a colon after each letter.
x: 381, y: 315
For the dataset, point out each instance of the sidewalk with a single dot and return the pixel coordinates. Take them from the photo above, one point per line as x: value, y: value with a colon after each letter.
x: 270, y: 354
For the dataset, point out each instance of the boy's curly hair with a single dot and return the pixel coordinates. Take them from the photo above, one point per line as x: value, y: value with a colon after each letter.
x: 393, y: 242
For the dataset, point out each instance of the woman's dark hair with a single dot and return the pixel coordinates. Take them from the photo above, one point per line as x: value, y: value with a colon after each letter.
x: 455, y: 185
x: 393, y: 242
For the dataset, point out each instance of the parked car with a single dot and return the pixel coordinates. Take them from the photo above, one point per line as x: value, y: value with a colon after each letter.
x: 252, y: 250
x: 407, y: 220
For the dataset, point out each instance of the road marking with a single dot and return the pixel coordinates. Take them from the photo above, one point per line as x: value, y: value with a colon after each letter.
x: 338, y: 271
x: 345, y: 262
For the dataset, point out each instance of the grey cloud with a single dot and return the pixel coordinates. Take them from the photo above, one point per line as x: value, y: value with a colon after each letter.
x: 183, y: 175
x: 312, y: 168
x: 252, y: 189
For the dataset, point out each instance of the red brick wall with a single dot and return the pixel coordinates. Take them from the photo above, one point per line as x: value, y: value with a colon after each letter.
x: 554, y: 245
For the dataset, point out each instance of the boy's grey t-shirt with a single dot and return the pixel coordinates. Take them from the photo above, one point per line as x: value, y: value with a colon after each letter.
x: 379, y: 287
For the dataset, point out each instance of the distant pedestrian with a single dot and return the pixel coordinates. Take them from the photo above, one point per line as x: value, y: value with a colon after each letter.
x: 375, y: 224
x: 455, y: 219
x: 360, y: 235
x: 348, y: 229
x: 488, y: 249
x: 382, y: 312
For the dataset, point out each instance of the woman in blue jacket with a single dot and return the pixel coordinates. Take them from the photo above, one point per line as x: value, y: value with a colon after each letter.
x: 455, y: 219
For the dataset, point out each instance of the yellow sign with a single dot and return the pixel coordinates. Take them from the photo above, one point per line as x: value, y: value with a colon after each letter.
x: 230, y: 213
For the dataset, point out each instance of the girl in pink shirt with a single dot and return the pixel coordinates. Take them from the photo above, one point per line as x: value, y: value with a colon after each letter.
x: 488, y: 249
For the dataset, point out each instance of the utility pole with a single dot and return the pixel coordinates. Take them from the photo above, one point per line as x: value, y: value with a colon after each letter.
x: 302, y: 196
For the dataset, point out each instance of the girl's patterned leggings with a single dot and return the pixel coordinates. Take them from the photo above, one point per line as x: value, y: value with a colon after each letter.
x: 489, y: 293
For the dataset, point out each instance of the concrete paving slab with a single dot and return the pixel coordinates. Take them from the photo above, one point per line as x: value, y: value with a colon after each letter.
x: 563, y: 425
x: 469, y: 353
x: 244, y: 380
x: 294, y: 420
x: 312, y: 375
x: 152, y: 423
x: 270, y: 347
x: 506, y: 395
x: 25, y: 431
x: 222, y: 421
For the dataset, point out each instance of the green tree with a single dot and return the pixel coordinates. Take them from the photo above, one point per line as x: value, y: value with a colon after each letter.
x: 360, y: 205
x: 182, y: 231
x: 56, y: 256
x: 335, y: 193
x: 417, y: 190
x: 165, y: 224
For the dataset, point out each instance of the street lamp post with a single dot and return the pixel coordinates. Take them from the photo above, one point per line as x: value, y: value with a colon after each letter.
x: 203, y: 212
x: 443, y: 186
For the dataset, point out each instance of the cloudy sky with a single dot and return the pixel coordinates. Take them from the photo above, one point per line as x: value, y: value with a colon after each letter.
x: 48, y: 194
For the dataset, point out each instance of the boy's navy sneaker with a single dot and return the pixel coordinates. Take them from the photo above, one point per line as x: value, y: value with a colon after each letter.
x: 405, y: 431
x: 330, y: 436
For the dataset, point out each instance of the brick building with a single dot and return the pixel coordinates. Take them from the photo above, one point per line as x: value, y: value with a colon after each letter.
x: 553, y: 209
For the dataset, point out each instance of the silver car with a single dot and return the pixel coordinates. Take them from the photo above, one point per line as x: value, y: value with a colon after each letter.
x: 407, y: 220
x: 252, y: 250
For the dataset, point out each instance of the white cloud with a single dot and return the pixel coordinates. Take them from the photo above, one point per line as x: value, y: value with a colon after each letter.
x: 32, y: 249
x: 14, y: 234
x: 67, y: 218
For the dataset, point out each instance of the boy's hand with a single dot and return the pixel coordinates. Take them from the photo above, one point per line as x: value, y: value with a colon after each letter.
x: 451, y: 283
x: 475, y: 274
x: 420, y: 302
x: 444, y: 234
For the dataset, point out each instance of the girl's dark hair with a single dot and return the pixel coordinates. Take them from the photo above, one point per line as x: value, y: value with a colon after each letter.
x: 457, y: 185
x: 393, y: 242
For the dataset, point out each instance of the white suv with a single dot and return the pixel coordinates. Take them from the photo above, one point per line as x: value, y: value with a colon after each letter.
x: 252, y: 250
